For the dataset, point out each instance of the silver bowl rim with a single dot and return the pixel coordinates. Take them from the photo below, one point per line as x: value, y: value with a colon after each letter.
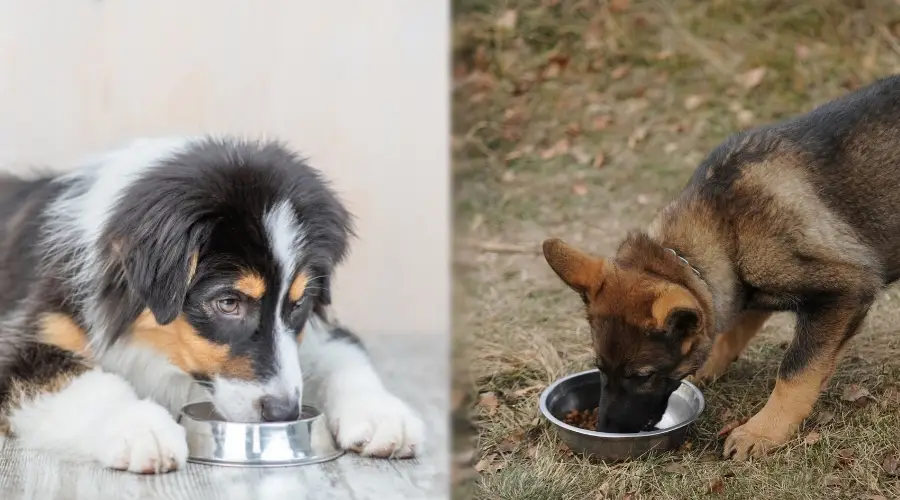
x: 615, y: 435
x: 304, y: 409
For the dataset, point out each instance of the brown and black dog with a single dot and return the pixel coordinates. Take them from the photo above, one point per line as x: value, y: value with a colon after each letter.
x: 801, y: 216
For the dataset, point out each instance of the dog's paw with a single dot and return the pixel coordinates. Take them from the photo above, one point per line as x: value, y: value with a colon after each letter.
x: 376, y: 424
x: 142, y: 438
x: 754, y: 440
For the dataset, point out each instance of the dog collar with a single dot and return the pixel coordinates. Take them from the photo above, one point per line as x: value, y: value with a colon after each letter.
x: 685, y: 262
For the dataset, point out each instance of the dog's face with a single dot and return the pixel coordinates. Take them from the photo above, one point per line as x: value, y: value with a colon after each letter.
x: 227, y: 254
x: 647, y: 333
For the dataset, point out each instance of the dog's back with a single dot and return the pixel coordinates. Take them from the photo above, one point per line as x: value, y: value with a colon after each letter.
x: 21, y: 206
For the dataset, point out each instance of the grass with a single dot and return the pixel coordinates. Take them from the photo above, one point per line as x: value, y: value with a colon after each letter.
x: 579, y: 119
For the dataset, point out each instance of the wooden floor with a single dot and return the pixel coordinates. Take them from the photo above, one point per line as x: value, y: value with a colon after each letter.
x: 415, y: 367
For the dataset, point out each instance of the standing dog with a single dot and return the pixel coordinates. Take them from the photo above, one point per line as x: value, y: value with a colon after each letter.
x: 175, y: 270
x: 800, y: 216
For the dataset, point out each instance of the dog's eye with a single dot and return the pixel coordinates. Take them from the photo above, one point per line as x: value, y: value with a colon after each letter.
x: 299, y: 302
x: 641, y: 377
x: 228, y: 305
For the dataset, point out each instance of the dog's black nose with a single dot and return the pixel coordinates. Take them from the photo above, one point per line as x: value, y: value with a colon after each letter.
x: 279, y: 409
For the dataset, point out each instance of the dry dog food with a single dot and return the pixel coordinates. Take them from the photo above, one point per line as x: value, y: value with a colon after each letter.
x: 585, y: 419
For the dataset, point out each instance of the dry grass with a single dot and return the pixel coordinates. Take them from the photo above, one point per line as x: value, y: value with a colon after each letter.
x: 578, y: 119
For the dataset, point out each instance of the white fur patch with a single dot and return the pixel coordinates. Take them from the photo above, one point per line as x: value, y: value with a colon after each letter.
x: 361, y: 412
x: 99, y: 417
x: 152, y: 375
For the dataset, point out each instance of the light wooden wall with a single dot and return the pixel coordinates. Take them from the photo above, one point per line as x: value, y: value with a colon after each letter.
x: 359, y: 86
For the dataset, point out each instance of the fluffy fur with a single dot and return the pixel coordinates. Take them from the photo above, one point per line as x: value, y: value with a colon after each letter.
x: 173, y: 270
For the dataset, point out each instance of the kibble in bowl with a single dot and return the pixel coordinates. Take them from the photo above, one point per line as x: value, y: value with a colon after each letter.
x: 570, y: 403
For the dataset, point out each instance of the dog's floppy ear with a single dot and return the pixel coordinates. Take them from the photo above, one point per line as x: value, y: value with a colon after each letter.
x: 576, y: 268
x: 677, y: 312
x: 159, y: 268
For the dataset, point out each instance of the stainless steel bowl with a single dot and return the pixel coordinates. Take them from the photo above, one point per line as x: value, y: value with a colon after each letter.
x: 580, y: 392
x: 214, y: 441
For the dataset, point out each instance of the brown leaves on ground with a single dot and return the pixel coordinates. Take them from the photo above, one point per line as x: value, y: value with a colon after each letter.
x: 824, y: 417
x: 812, y: 438
x: 751, y: 79
x: 490, y: 464
x: 891, y: 464
x: 856, y: 393
x: 489, y: 401
x: 716, y: 486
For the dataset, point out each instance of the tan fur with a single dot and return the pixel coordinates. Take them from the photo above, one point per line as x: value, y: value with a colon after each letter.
x: 788, y: 405
x: 672, y: 297
x: 251, y: 285
x: 298, y: 287
x: 729, y: 345
x: 62, y: 331
x: 578, y: 269
x: 186, y: 349
x: 192, y: 269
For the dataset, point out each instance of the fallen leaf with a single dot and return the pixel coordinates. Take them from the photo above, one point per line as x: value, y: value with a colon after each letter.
x: 580, y: 155
x: 485, y: 463
x: 637, y: 136
x: 573, y: 130
x: 730, y: 426
x: 642, y: 199
x: 564, y: 449
x: 845, y: 455
x: 832, y: 480
x: 560, y: 148
x: 824, y: 417
x: 891, y: 464
x: 619, y: 5
x: 675, y: 468
x: 580, y: 189
x: 599, y: 159
x: 801, y: 51
x: 532, y: 452
x: 875, y: 497
x: 745, y: 117
x: 620, y: 72
x: 508, y: 176
x: 693, y: 102
x: 752, y: 78
x: 812, y: 438
x: 670, y: 148
x: 507, y: 20
x: 489, y: 402
x: 601, y: 123
x: 716, y: 486
x: 890, y: 396
x: 507, y: 445
x: 629, y: 496
x: 855, y: 392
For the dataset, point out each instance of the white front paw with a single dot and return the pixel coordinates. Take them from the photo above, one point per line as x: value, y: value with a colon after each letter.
x: 376, y: 424
x: 142, y: 438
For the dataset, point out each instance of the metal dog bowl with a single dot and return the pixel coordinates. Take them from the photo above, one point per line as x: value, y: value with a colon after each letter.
x: 215, y: 441
x: 580, y: 391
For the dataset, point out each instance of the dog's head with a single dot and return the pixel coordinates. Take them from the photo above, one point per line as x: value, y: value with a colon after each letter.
x: 225, y: 250
x: 648, y: 333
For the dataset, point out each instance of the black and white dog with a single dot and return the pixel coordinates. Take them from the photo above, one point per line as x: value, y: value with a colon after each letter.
x: 175, y: 270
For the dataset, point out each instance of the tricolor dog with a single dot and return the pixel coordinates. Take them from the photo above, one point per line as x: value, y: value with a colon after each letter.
x: 800, y: 216
x: 175, y: 270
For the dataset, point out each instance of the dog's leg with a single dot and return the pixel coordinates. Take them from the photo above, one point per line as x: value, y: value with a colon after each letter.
x: 57, y: 401
x: 809, y: 361
x: 729, y: 345
x: 364, y: 416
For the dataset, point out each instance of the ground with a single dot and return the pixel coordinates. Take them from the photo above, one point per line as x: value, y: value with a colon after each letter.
x: 579, y: 119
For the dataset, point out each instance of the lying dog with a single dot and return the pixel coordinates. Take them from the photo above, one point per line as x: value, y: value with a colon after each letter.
x: 800, y: 216
x: 171, y: 262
